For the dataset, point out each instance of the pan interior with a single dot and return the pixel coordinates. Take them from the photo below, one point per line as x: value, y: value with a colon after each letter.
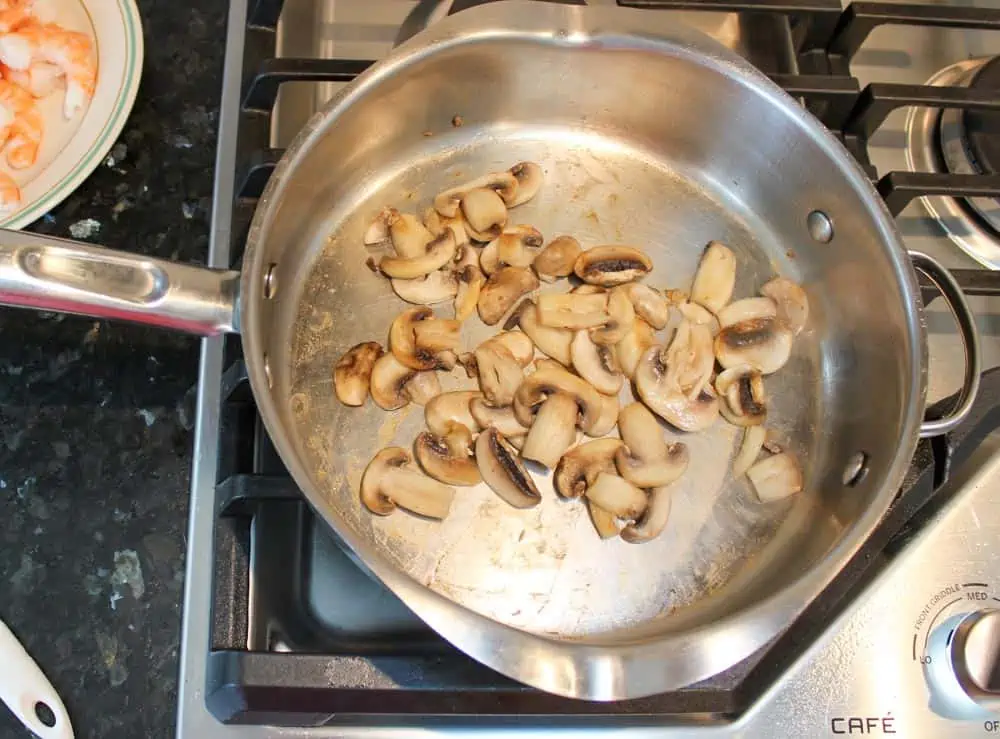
x: 653, y: 167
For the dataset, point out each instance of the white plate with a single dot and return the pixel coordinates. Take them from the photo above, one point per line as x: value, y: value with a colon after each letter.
x: 72, y: 149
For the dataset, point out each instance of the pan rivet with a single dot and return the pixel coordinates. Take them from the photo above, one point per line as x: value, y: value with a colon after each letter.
x: 856, y: 469
x: 267, y: 372
x: 820, y: 226
x: 271, y: 281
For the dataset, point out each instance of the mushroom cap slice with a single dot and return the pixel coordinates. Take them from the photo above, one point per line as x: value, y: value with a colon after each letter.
x: 775, y: 477
x: 716, y: 277
x: 622, y: 315
x: 553, y: 431
x: 470, y: 280
x: 439, y: 252
x: 648, y: 304
x: 653, y: 521
x: 699, y: 316
x: 612, y: 265
x: 448, y: 458
x: 378, y: 230
x: 753, y: 441
x: 501, y: 418
x: 503, y: 472
x: 664, y: 397
x: 388, y: 380
x: 516, y: 246
x: 451, y: 408
x: 549, y: 381
x: 617, y: 496
x: 605, y: 523
x: 485, y: 213
x: 403, y: 342
x: 448, y: 202
x: 609, y: 416
x: 353, y: 373
x: 791, y: 302
x: 573, y: 311
x: 746, y: 310
x: 517, y: 343
x: 633, y: 345
x: 502, y: 290
x: 390, y: 480
x: 435, y: 287
x: 529, y: 178
x: 762, y: 343
x: 409, y: 237
x: 499, y: 373
x: 652, y: 473
x: 596, y: 364
x: 552, y: 342
x: 580, y: 466
x: 741, y: 396
x: 557, y: 258
x: 423, y: 387
x: 641, y: 432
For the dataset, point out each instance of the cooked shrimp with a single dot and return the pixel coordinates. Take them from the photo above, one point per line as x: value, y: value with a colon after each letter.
x: 71, y: 51
x: 40, y: 78
x: 10, y: 195
x: 23, y: 133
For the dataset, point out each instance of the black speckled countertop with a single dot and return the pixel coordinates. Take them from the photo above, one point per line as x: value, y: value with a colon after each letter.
x: 95, y: 434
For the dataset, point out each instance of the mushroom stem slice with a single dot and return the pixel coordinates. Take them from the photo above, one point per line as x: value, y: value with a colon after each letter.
x: 762, y: 343
x: 388, y: 380
x: 448, y: 458
x: 648, y: 304
x: 617, y: 496
x: 580, y: 466
x: 715, y: 278
x: 699, y: 316
x: 403, y: 340
x: 653, y: 521
x: 549, y: 381
x: 353, y: 372
x: 557, y: 258
x: 502, y: 290
x: 605, y: 523
x: 573, y: 311
x: 503, y: 472
x: 608, y: 417
x: 484, y: 212
x: 553, y: 431
x: 438, y: 335
x: 499, y: 373
x: 390, y: 480
x: 553, y: 342
x: 501, y: 418
x: 746, y: 310
x: 791, y: 302
x: 409, y: 237
x: 775, y: 477
x: 596, y: 364
x: 662, y: 395
x: 633, y: 345
x: 470, y: 282
x: 518, y: 246
x: 529, y: 178
x: 446, y: 409
x: 436, y: 287
x: 622, y: 315
x: 741, y: 396
x: 652, y: 473
x: 439, y: 252
x: 753, y: 440
x: 612, y: 265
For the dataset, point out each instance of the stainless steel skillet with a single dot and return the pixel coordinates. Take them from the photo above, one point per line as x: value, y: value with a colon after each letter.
x: 649, y: 133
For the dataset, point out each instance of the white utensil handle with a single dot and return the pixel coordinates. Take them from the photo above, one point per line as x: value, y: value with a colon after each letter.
x: 23, y: 686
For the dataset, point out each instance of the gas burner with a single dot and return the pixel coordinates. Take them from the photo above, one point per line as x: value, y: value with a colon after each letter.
x: 961, y: 142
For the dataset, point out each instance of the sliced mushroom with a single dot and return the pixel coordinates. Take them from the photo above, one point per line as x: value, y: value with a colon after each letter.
x: 753, y: 440
x: 423, y: 387
x: 501, y: 418
x: 423, y: 342
x: 529, y: 180
x: 622, y: 315
x: 517, y: 246
x: 439, y: 252
x: 503, y: 471
x: 378, y: 230
x: 470, y: 282
x: 580, y: 466
x: 573, y: 311
x: 410, y: 238
x: 652, y: 473
x: 699, y: 316
x: 640, y: 430
x: 715, y: 278
x: 499, y: 373
x: 557, y: 258
x: 596, y: 364
x: 502, y: 290
x: 608, y: 418
x: 553, y: 431
x: 517, y: 343
x: 653, y: 521
x: 388, y: 381
x: 437, y: 224
x: 353, y: 373
x: 746, y: 309
x: 741, y: 396
x: 484, y: 212
x: 612, y: 265
x: 452, y: 408
x: 649, y: 304
x: 436, y: 287
x: 391, y: 480
x: 553, y: 342
x: 763, y: 343
x: 517, y: 441
x: 549, y: 381
x: 617, y: 496
x: 504, y: 184
x: 662, y: 395
x: 690, y: 358
x: 673, y: 296
x: 791, y: 302
x: 776, y: 477
x: 448, y: 458
x: 605, y: 523
x: 633, y: 345
x: 588, y: 289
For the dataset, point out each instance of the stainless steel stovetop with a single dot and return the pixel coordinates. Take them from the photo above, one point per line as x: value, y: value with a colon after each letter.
x: 883, y: 666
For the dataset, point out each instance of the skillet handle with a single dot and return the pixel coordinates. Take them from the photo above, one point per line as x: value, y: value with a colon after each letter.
x: 952, y: 293
x: 64, y: 276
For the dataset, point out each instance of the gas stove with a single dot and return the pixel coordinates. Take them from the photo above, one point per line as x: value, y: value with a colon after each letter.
x: 286, y: 635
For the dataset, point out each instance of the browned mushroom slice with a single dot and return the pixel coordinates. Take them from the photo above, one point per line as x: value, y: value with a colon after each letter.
x: 388, y: 380
x: 608, y: 418
x: 746, y: 309
x: 499, y: 373
x: 653, y: 521
x: 501, y: 418
x: 699, y: 316
x: 557, y: 258
x: 617, y: 496
x: 420, y: 341
x: 573, y: 311
x: 612, y: 265
x: 517, y: 343
x: 605, y: 523
x: 447, y: 409
x: 470, y: 281
x: 596, y: 364
x: 741, y: 396
x: 439, y: 252
x: 448, y: 458
x: 553, y: 430
x: 621, y: 313
x: 548, y: 381
x: 715, y: 278
x: 353, y: 373
x: 646, y: 460
x: 391, y: 480
x: 648, y: 304
x: 753, y: 441
x: 664, y: 397
x: 502, y: 290
x: 503, y: 472
x: 485, y: 214
x: 378, y: 230
x: 422, y: 387
x: 762, y: 343
x: 529, y: 178
x: 580, y: 466
x: 515, y: 247
x: 436, y: 287
x: 791, y: 302
x: 633, y: 345
x: 504, y: 184
x: 553, y: 342
x: 437, y: 224
x: 776, y: 477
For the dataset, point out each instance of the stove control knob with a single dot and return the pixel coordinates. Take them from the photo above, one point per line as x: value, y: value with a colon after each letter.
x: 963, y: 664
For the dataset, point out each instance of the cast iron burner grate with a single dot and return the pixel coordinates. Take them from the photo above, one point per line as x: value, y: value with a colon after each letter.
x: 274, y: 660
